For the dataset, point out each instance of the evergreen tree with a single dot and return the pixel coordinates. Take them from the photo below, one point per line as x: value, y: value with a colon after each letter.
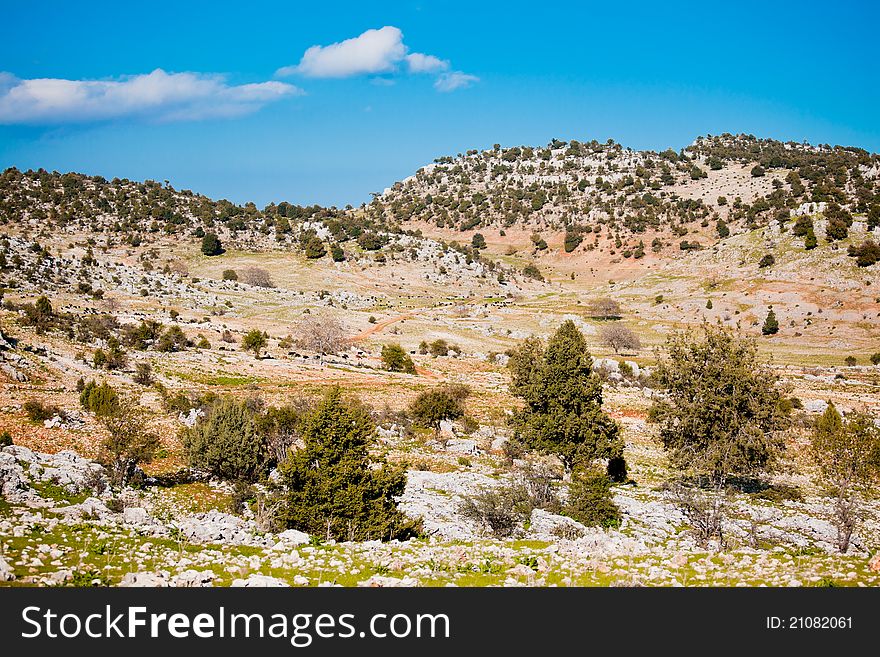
x: 255, y: 340
x: 211, y: 245
x: 723, y: 412
x: 563, y: 402
x: 397, y: 360
x: 810, y: 239
x: 334, y: 488
x: 771, y: 325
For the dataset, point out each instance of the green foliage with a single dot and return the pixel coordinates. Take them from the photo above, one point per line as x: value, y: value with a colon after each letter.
x: 143, y: 374
x: 810, y: 242
x: 531, y: 271
x: 230, y: 275
x: 5, y: 439
x: 439, y: 347
x: 563, y: 400
x: 757, y: 171
x: 572, y: 240
x: 478, y: 241
x: 445, y: 402
x: 767, y: 260
x: 337, y: 253
x: 866, y: 254
x: 771, y: 324
x: 847, y: 452
x: 37, y: 411
x: 174, y: 339
x: 723, y: 414
x: 254, y: 340
x: 709, y: 304
x: 396, y: 359
x: 226, y: 442
x: 875, y: 358
x: 333, y: 486
x: 314, y: 248
x: 590, y: 501
x: 129, y: 443
x: 211, y: 245
x: 101, y: 400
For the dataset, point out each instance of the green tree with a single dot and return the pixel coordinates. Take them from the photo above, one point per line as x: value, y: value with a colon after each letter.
x: 810, y: 242
x: 314, y: 248
x: 445, y: 402
x: 211, y: 245
x: 397, y: 360
x: 254, y: 340
x: 129, y: 443
x: 757, y: 171
x: 563, y: 402
x: 771, y: 325
x: 226, y: 442
x: 723, y: 414
x: 590, y: 501
x: 337, y: 253
x: 334, y: 488
x: 99, y: 399
x: 478, y: 241
x: 847, y: 452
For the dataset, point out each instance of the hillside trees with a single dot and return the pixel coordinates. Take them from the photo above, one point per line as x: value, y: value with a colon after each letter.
x: 129, y: 443
x: 442, y: 403
x: 254, y: 340
x: 396, y: 359
x: 211, y: 245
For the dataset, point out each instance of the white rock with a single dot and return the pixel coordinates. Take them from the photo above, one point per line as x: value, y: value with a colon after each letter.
x: 259, y: 581
x: 6, y: 572
x: 381, y: 581
x: 145, y: 580
x: 293, y: 537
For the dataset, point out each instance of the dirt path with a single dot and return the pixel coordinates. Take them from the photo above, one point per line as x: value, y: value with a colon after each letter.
x: 360, y: 337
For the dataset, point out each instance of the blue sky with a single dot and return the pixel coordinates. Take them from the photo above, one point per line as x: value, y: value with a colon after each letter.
x: 238, y: 109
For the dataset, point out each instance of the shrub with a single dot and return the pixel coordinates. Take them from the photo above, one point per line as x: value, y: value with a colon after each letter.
x: 499, y: 511
x: 143, y: 374
x: 397, y: 360
x: 227, y: 444
x: 875, y: 358
x: 5, y: 439
x: 101, y: 400
x: 850, y: 361
x: 230, y: 275
x: 590, y: 501
x: 531, y: 271
x: 211, y: 245
x: 257, y: 277
x: 37, y: 411
x: 337, y: 253
x: 174, y: 339
x: 767, y: 261
x: 722, y: 228
x: 439, y: 347
x: 866, y: 254
x: 445, y: 402
x: 129, y: 444
x: 757, y: 171
x: 478, y: 241
x: 334, y: 488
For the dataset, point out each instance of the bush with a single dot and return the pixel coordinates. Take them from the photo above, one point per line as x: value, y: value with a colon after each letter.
x: 767, y: 261
x: 439, y: 348
x: 143, y: 374
x: 771, y: 325
x: 174, y: 339
x: 211, y: 245
x: 499, y: 511
x: 850, y: 361
x: 757, y: 171
x: 334, y: 488
x: 590, y: 501
x: 230, y: 275
x: 397, y: 360
x: 101, y: 400
x: 129, y: 444
x: 532, y: 271
x: 5, y: 439
x: 37, y: 411
x: 445, y: 402
x: 226, y: 443
x: 875, y: 358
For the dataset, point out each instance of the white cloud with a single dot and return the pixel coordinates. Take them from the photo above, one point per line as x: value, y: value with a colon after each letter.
x: 454, y: 80
x: 157, y: 96
x: 375, y: 52
x: 419, y: 63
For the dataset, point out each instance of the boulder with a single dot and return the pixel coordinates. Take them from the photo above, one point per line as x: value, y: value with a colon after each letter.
x: 193, y: 579
x: 293, y: 537
x: 546, y: 526
x: 7, y: 574
x: 815, y: 405
x: 145, y: 580
x: 259, y: 581
x: 381, y: 581
x: 135, y: 515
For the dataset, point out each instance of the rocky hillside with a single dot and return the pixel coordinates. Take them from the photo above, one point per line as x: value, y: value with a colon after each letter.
x: 604, y: 192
